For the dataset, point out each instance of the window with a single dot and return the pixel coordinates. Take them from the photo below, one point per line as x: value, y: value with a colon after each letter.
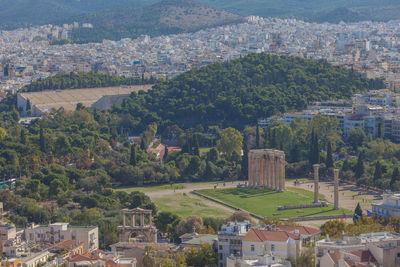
x: 220, y: 247
x: 252, y: 248
x: 220, y: 256
x: 398, y: 255
x: 272, y: 247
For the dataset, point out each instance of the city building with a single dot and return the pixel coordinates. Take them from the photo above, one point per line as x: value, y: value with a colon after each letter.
x: 7, y: 232
x: 373, y: 249
x: 281, y: 243
x: 259, y: 261
x: 388, y: 207
x: 58, y: 232
x: 230, y: 240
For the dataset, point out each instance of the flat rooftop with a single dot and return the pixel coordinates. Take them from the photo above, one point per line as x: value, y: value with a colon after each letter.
x: 68, y: 99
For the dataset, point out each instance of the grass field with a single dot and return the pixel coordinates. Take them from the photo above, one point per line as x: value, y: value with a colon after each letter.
x: 185, y: 205
x: 265, y: 202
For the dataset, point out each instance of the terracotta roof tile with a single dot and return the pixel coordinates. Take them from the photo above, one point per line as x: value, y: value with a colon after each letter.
x: 258, y: 235
x: 335, y: 256
x: 364, y: 255
x: 303, y: 230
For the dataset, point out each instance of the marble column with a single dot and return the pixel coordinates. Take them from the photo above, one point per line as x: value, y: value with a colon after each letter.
x: 336, y: 188
x: 277, y: 171
x: 261, y: 163
x: 283, y: 164
x: 264, y: 167
x: 250, y: 169
x: 124, y: 219
x: 272, y: 158
x: 316, y: 183
x: 257, y: 176
x: 133, y: 222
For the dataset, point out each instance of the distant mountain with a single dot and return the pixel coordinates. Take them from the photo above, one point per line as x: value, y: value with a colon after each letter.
x: 165, y: 17
x: 22, y: 13
x: 313, y: 10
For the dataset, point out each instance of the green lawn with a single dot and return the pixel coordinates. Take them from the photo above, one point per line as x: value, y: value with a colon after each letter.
x: 204, y: 150
x: 185, y: 205
x: 265, y: 202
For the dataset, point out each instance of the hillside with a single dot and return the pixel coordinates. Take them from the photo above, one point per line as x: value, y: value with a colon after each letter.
x: 313, y: 10
x: 22, y: 13
x: 238, y: 92
x: 165, y: 17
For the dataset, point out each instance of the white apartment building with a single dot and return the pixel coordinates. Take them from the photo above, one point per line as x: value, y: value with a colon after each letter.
x: 230, y: 240
x: 390, y: 206
x: 372, y: 250
x: 57, y: 232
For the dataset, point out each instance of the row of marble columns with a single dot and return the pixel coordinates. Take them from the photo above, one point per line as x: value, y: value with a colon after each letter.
x: 335, y: 186
x: 267, y: 169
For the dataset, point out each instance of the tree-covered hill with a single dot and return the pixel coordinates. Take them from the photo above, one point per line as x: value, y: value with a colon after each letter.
x: 82, y: 80
x: 165, y: 17
x: 22, y: 13
x: 238, y: 92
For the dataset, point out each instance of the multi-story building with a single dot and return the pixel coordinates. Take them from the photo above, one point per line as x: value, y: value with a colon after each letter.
x: 374, y: 249
x: 260, y: 261
x: 390, y: 206
x: 7, y: 232
x: 282, y: 243
x: 57, y: 232
x: 230, y: 240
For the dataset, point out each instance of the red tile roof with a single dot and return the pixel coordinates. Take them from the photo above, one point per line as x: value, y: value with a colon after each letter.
x: 364, y: 255
x: 335, y: 256
x: 303, y: 230
x: 258, y: 235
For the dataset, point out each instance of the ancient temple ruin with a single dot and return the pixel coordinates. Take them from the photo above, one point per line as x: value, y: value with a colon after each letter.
x: 267, y: 169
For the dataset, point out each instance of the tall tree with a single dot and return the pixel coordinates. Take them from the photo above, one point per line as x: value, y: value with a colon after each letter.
x: 358, y: 213
x: 42, y: 141
x: 359, y: 171
x: 245, y: 159
x: 258, y: 145
x: 329, y: 159
x: 165, y: 153
x: 143, y: 145
x: 395, y: 176
x: 133, y: 157
x: 378, y: 171
x: 196, y: 147
x: 231, y: 140
x: 314, y: 148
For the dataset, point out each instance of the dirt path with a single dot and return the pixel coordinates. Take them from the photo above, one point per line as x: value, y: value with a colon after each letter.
x: 349, y: 195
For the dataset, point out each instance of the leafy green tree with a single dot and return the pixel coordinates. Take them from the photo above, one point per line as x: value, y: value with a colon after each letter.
x: 213, y: 155
x: 164, y: 218
x: 231, y: 140
x: 204, y: 256
x: 356, y: 138
x: 314, y: 149
x: 42, y: 141
x: 245, y: 160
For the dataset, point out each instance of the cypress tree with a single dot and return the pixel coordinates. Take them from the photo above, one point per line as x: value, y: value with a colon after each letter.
x: 378, y: 171
x: 23, y: 137
x: 42, y: 141
x: 143, y: 144
x: 258, y: 145
x: 329, y: 159
x: 395, y: 176
x: 196, y: 147
x: 358, y: 211
x: 314, y: 149
x: 133, y: 158
x: 359, y: 171
x: 345, y: 166
x: 165, y: 153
